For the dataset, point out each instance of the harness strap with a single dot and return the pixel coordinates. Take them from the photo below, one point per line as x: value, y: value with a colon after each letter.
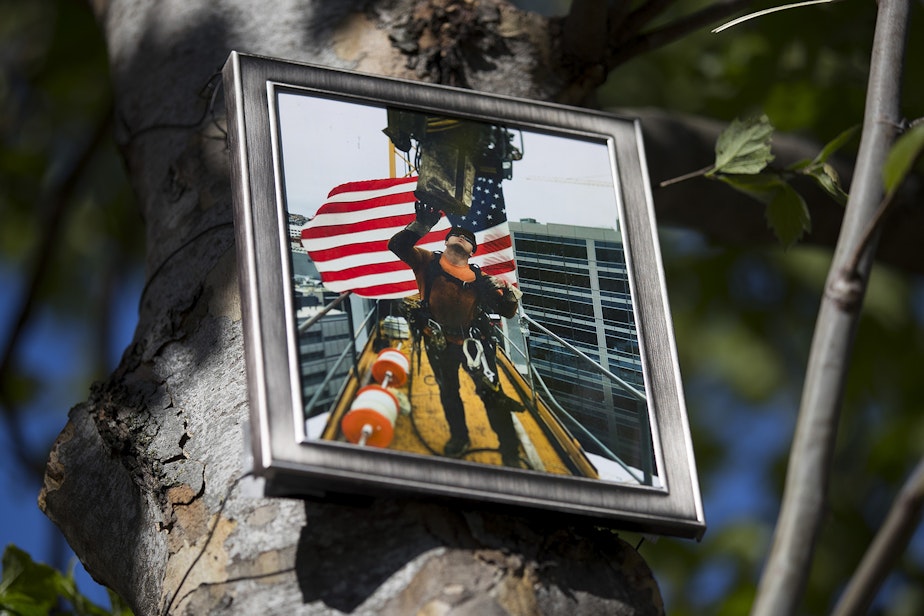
x: 433, y: 270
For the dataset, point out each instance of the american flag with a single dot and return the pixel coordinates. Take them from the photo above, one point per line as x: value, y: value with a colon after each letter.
x: 348, y: 237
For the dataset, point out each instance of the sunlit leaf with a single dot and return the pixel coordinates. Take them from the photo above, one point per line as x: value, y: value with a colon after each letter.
x: 27, y: 587
x: 826, y: 177
x: 33, y: 589
x: 744, y: 147
x: 788, y: 216
x: 904, y: 152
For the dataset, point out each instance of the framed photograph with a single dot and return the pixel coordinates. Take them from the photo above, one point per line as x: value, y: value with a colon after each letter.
x: 456, y: 295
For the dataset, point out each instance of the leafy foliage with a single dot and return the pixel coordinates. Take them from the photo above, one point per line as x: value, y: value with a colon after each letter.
x: 824, y: 174
x: 743, y: 148
x: 28, y: 588
x: 744, y: 320
x: 70, y: 241
x: 743, y: 316
x: 742, y: 155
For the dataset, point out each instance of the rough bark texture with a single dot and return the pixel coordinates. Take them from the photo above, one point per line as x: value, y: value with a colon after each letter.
x: 147, y: 478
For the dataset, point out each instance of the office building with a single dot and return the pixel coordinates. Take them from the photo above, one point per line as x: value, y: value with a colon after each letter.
x: 575, y: 283
x: 320, y: 346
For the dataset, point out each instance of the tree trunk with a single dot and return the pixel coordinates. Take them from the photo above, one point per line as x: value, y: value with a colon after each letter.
x: 147, y: 480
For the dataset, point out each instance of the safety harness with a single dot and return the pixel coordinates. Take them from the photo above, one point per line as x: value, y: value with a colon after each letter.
x: 481, y: 322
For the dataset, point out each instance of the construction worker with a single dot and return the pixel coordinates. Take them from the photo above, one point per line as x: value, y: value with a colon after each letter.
x: 456, y: 298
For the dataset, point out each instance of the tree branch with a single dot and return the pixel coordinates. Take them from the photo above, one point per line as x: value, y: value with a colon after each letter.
x: 676, y: 143
x: 874, y: 227
x: 890, y: 542
x: 673, y: 31
x: 804, y: 498
x: 55, y: 201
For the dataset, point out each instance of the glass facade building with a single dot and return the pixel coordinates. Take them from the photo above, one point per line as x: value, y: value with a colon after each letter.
x: 575, y: 284
x: 321, y: 345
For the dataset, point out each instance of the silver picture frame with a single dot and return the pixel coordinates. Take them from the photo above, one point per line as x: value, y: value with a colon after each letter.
x: 587, y: 364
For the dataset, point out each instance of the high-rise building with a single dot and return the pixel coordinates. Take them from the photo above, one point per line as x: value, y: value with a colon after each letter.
x: 321, y: 345
x: 575, y: 284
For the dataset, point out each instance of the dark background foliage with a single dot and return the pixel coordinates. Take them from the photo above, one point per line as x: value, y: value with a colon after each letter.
x: 71, y: 272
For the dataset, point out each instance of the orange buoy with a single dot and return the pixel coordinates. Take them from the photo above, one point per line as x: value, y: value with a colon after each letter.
x: 391, y: 362
x: 371, y: 418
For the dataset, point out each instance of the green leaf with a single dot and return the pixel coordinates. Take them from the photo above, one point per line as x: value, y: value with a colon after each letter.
x: 22, y: 605
x: 835, y: 144
x: 826, y: 177
x: 744, y: 147
x: 821, y: 172
x: 27, y: 587
x: 901, y: 157
x: 33, y: 589
x: 119, y: 606
x: 788, y: 216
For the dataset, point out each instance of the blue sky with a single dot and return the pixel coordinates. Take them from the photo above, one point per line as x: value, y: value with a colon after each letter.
x: 52, y: 349
x: 574, y: 176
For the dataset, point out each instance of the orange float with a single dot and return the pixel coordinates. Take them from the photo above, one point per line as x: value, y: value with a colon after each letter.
x: 391, y: 364
x: 371, y: 418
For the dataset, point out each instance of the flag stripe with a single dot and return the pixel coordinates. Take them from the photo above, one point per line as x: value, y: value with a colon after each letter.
x: 385, y: 186
x: 368, y: 200
x: 357, y: 255
x: 348, y: 237
x: 495, y: 245
x: 365, y: 237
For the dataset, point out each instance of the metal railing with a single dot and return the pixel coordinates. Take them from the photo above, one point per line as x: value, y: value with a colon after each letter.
x: 550, y: 399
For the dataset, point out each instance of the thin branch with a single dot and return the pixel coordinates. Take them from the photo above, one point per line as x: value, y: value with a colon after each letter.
x: 774, y: 9
x: 686, y: 176
x: 56, y: 202
x: 59, y: 198
x: 616, y: 16
x: 875, y: 224
x: 805, y: 493
x: 889, y: 544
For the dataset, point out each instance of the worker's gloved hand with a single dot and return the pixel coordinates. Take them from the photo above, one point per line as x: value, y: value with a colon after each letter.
x: 427, y: 215
x: 505, y: 289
